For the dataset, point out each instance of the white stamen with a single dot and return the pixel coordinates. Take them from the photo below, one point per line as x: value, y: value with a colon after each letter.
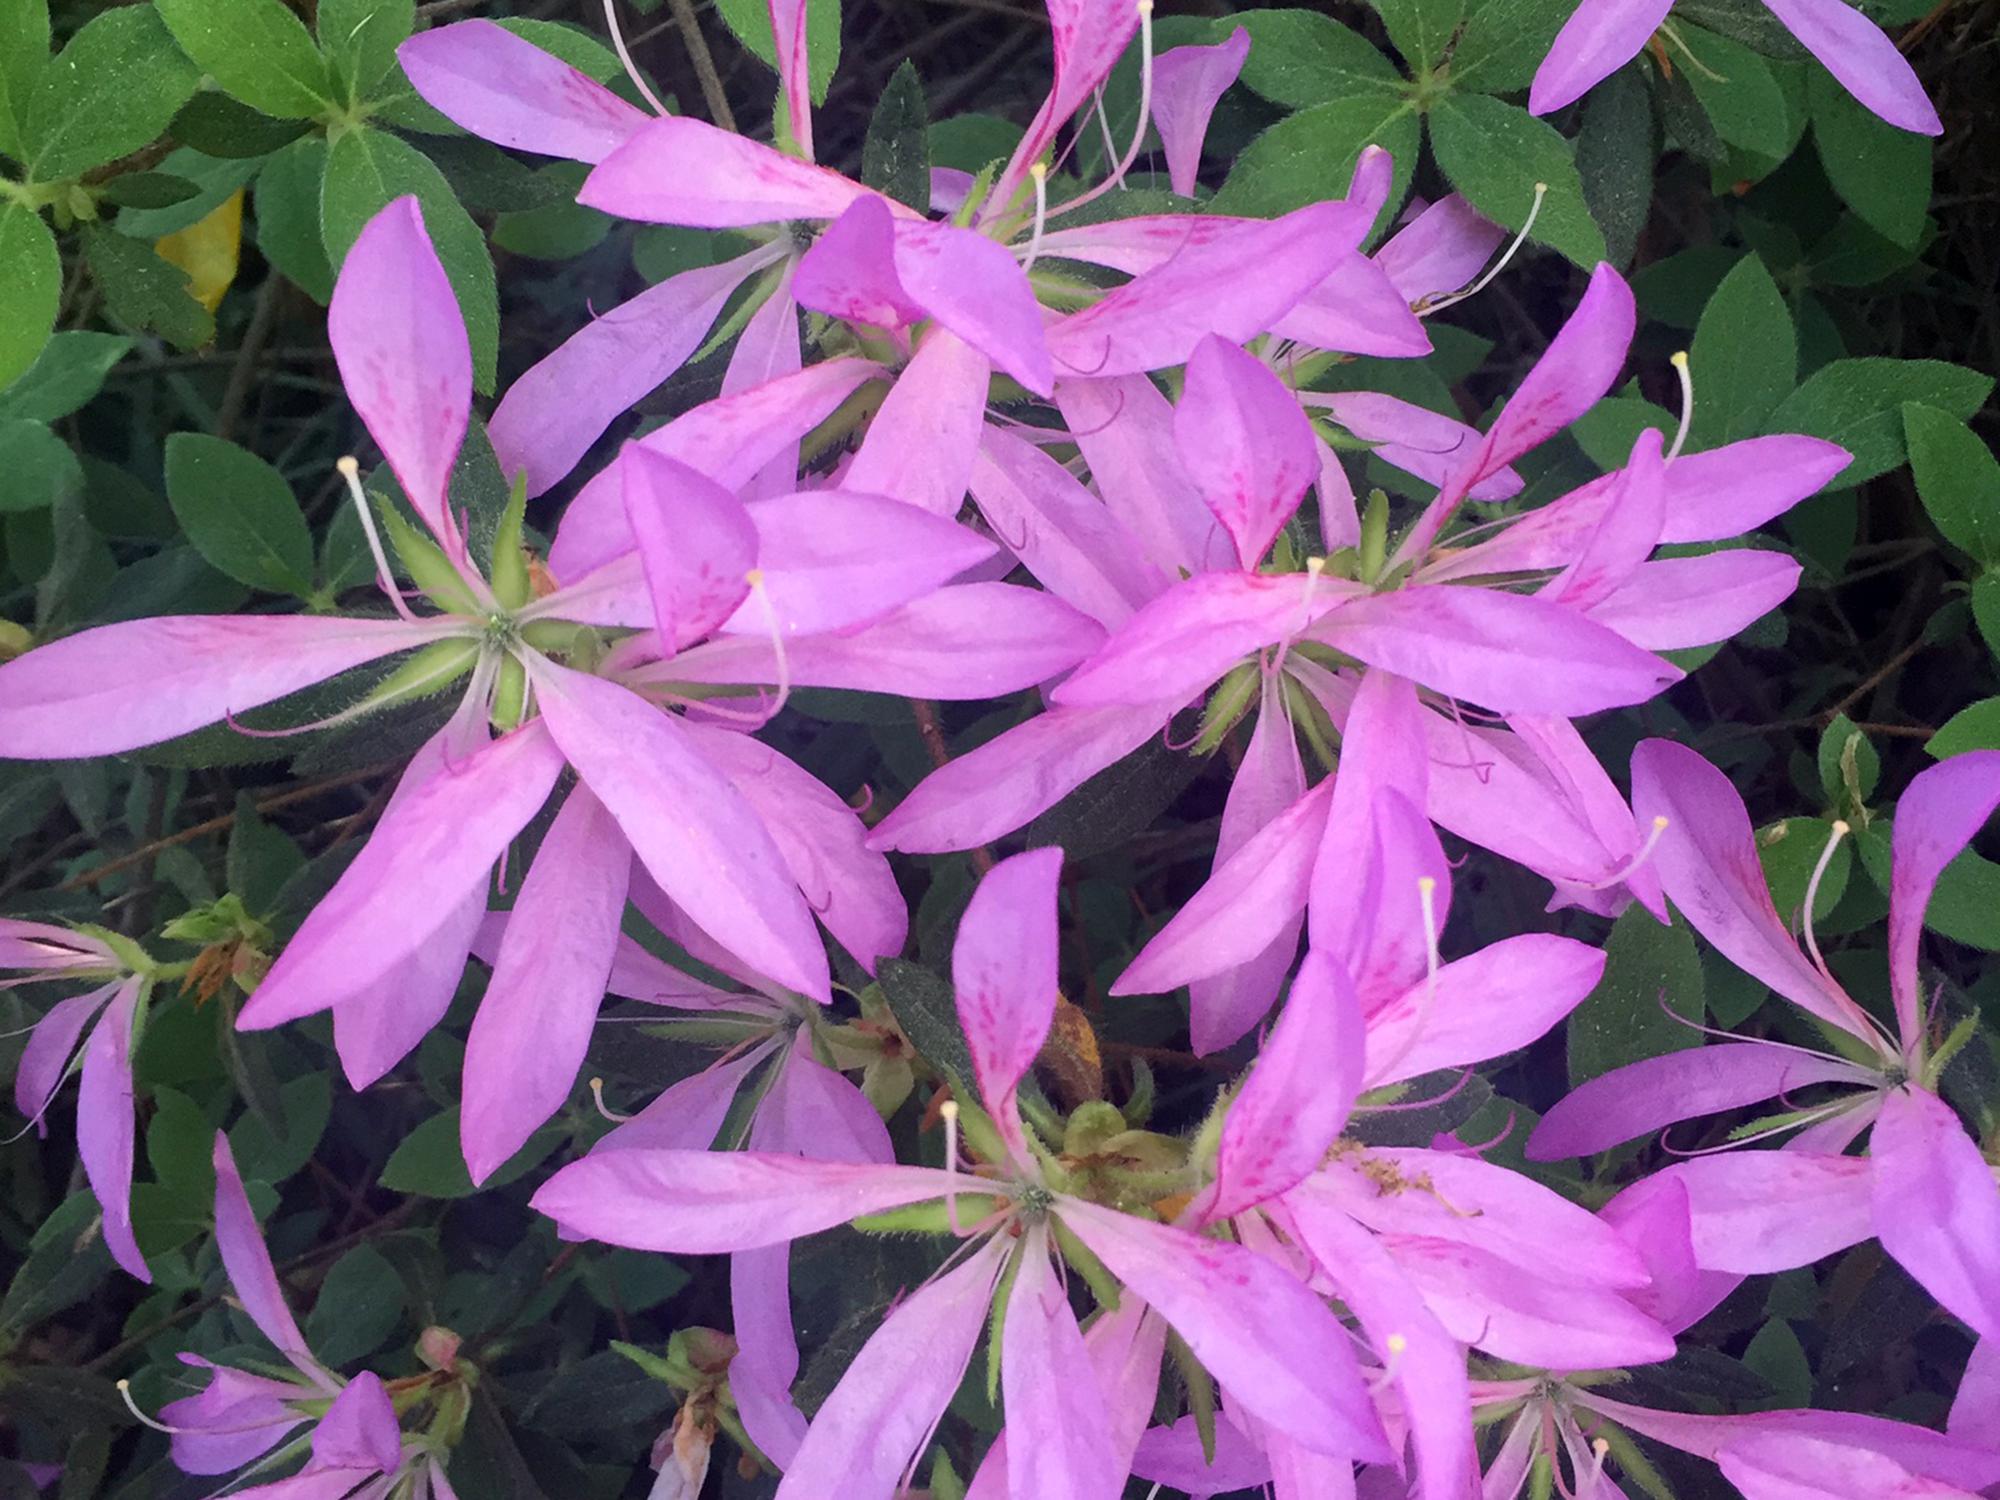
x: 125, y: 1395
x: 1680, y: 364
x: 1595, y: 1476
x: 1424, y: 310
x: 625, y: 57
x: 1624, y: 872
x: 1397, y: 1346
x: 350, y: 470
x: 1427, y: 899
x: 949, y: 1112
x: 1840, y: 831
x: 597, y: 1098
x: 1124, y: 164
x: 1039, y: 175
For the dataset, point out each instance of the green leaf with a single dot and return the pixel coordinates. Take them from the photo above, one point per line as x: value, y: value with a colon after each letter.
x: 428, y: 1163
x: 1739, y: 93
x: 1421, y: 29
x: 1957, y: 479
x: 572, y: 44
x: 148, y: 190
x: 1858, y: 403
x: 1614, y: 161
x: 24, y: 52
x: 38, y: 465
x: 1776, y: 1354
x: 358, y: 1307
x: 180, y: 1143
x: 360, y: 38
x: 1300, y: 59
x: 365, y: 171
x: 1745, y: 357
x: 257, y: 50
x: 927, y: 1010
x: 216, y: 178
x: 266, y: 1155
x: 896, y: 156
x: 1973, y: 728
x: 286, y: 202
x: 1608, y: 430
x: 70, y: 370
x: 1504, y: 42
x: 1986, y: 609
x: 560, y: 230
x: 1882, y: 173
x: 750, y: 21
x: 66, y: 1260
x: 1648, y: 969
x: 217, y: 125
x: 1789, y: 851
x: 239, y: 513
x: 144, y: 292
x: 1310, y: 156
x: 111, y: 90
x: 969, y: 142
x: 30, y: 288
x: 1495, y: 153
x: 1849, y: 767
x: 261, y: 858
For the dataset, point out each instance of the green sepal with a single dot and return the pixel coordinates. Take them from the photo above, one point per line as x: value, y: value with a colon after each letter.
x: 1542, y: 1476
x: 945, y: 1483
x: 981, y: 1134
x: 1083, y: 1260
x: 996, y: 1323
x: 426, y: 565
x: 1139, y: 1103
x: 1374, y: 536
x: 1766, y: 1123
x: 1227, y: 705
x: 1200, y: 1392
x: 509, y: 570
x: 1962, y: 1033
x: 660, y: 1369
x: 510, y: 694
x: 1310, y: 720
x: 932, y: 1217
x: 430, y: 670
x: 1634, y: 1467
x: 975, y: 196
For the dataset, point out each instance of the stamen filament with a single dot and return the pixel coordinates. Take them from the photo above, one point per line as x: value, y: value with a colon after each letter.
x: 949, y: 1112
x: 1623, y: 871
x: 1680, y: 364
x: 597, y: 1098
x: 1425, y: 309
x: 350, y: 470
x: 625, y: 57
x: 1039, y: 175
x: 1840, y: 831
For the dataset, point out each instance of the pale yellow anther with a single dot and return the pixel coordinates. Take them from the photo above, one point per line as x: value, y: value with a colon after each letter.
x: 755, y: 578
x: 1395, y: 1343
x: 1039, y: 171
x: 1661, y: 822
x: 1427, y: 885
x: 949, y: 1110
x: 1841, y: 829
x: 348, y: 466
x: 1678, y: 359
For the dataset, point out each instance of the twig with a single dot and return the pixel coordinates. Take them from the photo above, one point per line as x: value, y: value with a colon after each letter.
x: 704, y: 63
x: 931, y: 732
x: 262, y: 316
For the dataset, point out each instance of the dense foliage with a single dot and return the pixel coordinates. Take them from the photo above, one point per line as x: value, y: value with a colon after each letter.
x: 1287, y: 755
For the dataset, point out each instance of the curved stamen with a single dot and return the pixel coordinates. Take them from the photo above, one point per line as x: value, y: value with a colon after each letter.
x: 1396, y: 1345
x: 1680, y: 364
x: 1623, y: 872
x: 597, y: 1098
x: 1124, y: 165
x: 625, y: 57
x: 948, y: 1111
x: 1427, y: 1001
x: 1839, y: 832
x: 385, y: 578
x: 1426, y: 308
x: 1039, y: 175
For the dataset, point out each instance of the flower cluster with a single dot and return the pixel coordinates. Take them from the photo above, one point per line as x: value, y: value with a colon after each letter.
x: 1027, y: 447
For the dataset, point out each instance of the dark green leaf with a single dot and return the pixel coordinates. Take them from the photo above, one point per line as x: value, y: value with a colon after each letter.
x: 267, y: 1155
x: 1858, y: 403
x: 1973, y: 728
x: 217, y: 125
x: 287, y: 208
x: 148, y: 190
x: 1421, y: 29
x: 261, y: 858
x: 1614, y: 160
x: 1503, y: 43
x: 144, y: 292
x: 239, y: 513
x: 1744, y: 360
x: 560, y: 230
x: 428, y: 1163
x: 896, y: 155
x: 24, y: 52
x: 1957, y: 479
x: 1882, y: 173
x: 360, y: 38
x: 1495, y: 153
x: 365, y: 171
x: 1649, y: 969
x: 38, y: 465
x: 257, y: 50
x: 30, y: 288
x: 1300, y: 58
x: 1790, y: 850
x: 1742, y: 98
x: 927, y: 1010
x: 1849, y: 766
x: 1310, y: 156
x: 112, y: 89
x: 216, y: 179
x: 1118, y: 803
x: 69, y: 372
x: 65, y: 1262
x: 359, y: 1305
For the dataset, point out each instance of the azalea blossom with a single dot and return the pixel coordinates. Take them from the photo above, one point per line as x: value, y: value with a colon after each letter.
x: 1255, y: 1326
x: 1924, y: 1189
x: 1602, y: 35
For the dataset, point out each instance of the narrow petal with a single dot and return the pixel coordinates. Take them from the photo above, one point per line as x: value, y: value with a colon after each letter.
x: 687, y: 1115
x: 966, y: 642
x: 1599, y: 38
x: 51, y: 1048
x: 1003, y: 966
x: 1487, y: 1004
x: 1868, y: 65
x: 974, y: 286
x: 1441, y: 250
x: 534, y: 1022
x: 1089, y: 36
x: 1937, y: 1207
x: 1976, y: 1409
x: 1625, y: 535
x: 1660, y: 1227
x: 1356, y: 310
x: 706, y: 1202
x: 697, y: 544
x: 870, y: 1429
x: 1413, y: 438
x: 833, y: 560
x: 920, y: 447
x: 400, y: 344
x: 1011, y: 778
x: 1063, y: 534
x: 248, y: 1264
x: 1936, y: 818
x: 1156, y: 319
x: 379, y: 1025
x: 509, y: 91
x: 1187, y: 84
x: 1246, y: 444
x: 730, y: 439
x: 1124, y: 426
x: 118, y: 687
x: 681, y: 171
x: 1297, y: 1098
x: 1774, y: 1466
x: 849, y: 886
x: 694, y: 832
x: 1056, y: 1411
x: 1569, y: 765
x: 1708, y: 864
x: 1759, y: 1211
x: 431, y: 849
x: 564, y: 402
x: 850, y: 271
x: 232, y: 1420
x: 1675, y: 602
x: 768, y: 349
x: 359, y: 1430
x: 1184, y: 640
x: 104, y: 1125
x: 1512, y: 653
x: 1258, y: 1330
x: 1655, y: 1092
x: 766, y: 1361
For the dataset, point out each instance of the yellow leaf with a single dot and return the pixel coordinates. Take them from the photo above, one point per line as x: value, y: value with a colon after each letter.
x: 207, y: 250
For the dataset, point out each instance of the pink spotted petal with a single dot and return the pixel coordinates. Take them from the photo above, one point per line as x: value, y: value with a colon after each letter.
x: 1187, y: 84
x: 1674, y: 602
x: 681, y: 171
x: 1441, y: 250
x: 1624, y: 537
x: 1003, y: 966
x: 1245, y: 443
x: 1413, y: 438
x: 697, y: 544
x: 1753, y: 1212
x: 1088, y: 37
x: 104, y: 1125
x: 1124, y: 427
x: 1936, y: 818
x: 1056, y: 1410
x: 1356, y: 310
x: 509, y: 91
x: 975, y: 287
x: 1937, y: 1207
x: 921, y: 446
x: 1599, y: 38
x: 1788, y: 1466
x: 1660, y: 1228
x: 1868, y: 65
x: 789, y: 36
